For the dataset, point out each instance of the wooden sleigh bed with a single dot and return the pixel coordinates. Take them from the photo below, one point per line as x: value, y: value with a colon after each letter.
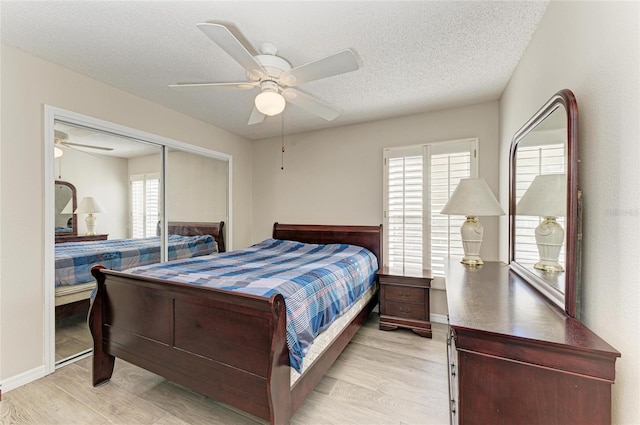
x: 80, y: 291
x: 226, y: 345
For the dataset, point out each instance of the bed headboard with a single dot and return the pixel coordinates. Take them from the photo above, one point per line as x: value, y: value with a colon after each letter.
x: 369, y: 237
x: 194, y: 228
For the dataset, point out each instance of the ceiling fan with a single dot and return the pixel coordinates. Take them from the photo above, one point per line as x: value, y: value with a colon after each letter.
x: 62, y: 139
x: 274, y: 76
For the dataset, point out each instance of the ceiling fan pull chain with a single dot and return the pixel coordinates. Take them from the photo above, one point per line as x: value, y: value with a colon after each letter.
x: 282, y: 141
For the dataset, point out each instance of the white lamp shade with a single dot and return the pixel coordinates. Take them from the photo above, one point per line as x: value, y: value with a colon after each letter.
x: 472, y: 197
x: 545, y: 197
x: 270, y: 103
x: 89, y: 205
x: 68, y: 209
x: 57, y: 152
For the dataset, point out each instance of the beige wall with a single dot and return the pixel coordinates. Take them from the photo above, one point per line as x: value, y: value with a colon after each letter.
x: 592, y: 48
x: 104, y: 178
x: 186, y: 201
x: 335, y: 176
x: 27, y: 84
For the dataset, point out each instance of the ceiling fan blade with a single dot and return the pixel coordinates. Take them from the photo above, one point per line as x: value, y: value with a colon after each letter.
x: 60, y: 136
x: 256, y: 117
x: 221, y: 35
x: 311, y: 104
x: 83, y: 151
x: 85, y: 146
x: 335, y: 64
x: 242, y: 85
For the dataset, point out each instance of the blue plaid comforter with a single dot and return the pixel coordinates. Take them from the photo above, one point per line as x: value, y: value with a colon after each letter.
x: 75, y: 259
x: 318, y: 282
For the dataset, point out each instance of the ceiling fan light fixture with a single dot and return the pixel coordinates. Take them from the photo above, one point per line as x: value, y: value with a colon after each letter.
x: 270, y: 102
x: 57, y: 152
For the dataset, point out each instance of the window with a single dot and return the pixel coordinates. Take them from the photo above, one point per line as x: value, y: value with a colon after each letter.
x: 418, y: 181
x: 145, y: 205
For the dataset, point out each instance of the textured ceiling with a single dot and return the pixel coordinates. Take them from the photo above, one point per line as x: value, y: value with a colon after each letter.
x: 416, y: 56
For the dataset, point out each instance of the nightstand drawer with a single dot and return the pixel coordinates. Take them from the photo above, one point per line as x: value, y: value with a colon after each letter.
x: 405, y: 310
x: 404, y: 294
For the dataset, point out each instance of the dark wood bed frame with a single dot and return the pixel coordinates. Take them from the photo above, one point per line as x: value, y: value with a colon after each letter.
x: 226, y: 345
x: 194, y: 228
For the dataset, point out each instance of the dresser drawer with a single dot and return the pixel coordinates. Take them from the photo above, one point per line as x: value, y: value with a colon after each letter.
x: 406, y: 310
x: 404, y: 294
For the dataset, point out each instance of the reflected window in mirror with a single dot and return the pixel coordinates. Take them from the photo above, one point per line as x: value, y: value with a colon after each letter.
x: 543, y: 201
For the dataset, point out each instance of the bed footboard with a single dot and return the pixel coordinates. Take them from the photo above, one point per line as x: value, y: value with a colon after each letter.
x: 226, y: 345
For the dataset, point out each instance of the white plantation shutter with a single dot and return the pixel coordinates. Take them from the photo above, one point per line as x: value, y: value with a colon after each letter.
x: 446, y: 171
x: 534, y: 160
x: 137, y: 209
x: 145, y: 205
x: 405, y: 211
x: 418, y: 183
x: 152, y: 206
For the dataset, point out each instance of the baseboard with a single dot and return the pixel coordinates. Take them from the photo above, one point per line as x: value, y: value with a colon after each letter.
x: 439, y: 318
x: 22, y: 379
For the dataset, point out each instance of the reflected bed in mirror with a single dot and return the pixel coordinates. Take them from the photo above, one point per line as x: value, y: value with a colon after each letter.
x: 66, y: 204
x: 543, y: 201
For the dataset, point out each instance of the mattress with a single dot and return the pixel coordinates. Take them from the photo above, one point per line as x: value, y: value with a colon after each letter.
x: 73, y: 260
x: 318, y: 282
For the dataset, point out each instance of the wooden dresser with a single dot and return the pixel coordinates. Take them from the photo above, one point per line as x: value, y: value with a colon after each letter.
x: 514, y: 358
x: 404, y: 299
x: 80, y: 238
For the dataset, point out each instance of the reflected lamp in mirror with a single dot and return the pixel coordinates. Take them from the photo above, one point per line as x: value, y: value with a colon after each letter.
x: 90, y: 206
x: 68, y: 209
x: 472, y: 198
x: 546, y: 198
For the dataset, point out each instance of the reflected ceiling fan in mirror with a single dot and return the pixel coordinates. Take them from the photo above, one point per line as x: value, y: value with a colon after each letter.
x: 62, y: 139
x: 274, y: 76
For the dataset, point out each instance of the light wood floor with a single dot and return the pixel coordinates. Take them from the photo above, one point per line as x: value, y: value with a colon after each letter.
x: 382, y: 377
x: 72, y: 336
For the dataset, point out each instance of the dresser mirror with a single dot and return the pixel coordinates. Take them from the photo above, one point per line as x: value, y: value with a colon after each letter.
x: 66, y: 203
x: 543, y: 201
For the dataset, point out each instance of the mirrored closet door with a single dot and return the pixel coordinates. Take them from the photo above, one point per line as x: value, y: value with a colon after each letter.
x: 113, y: 189
x: 107, y: 206
x: 196, y: 193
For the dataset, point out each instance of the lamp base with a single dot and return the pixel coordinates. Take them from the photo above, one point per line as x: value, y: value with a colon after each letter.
x: 471, y: 232
x: 549, y: 238
x: 472, y: 261
x: 90, y: 221
x: 548, y: 266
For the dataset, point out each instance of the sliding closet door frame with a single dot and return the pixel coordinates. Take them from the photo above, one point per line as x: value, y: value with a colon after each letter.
x: 53, y: 114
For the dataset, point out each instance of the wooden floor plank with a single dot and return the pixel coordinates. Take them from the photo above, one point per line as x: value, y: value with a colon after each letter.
x: 42, y: 402
x: 386, y: 377
x: 127, y: 407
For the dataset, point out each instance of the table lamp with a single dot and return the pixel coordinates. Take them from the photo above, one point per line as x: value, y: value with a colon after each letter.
x: 472, y: 198
x: 90, y: 206
x: 546, y: 198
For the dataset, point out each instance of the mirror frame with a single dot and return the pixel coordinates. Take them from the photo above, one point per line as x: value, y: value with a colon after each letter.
x: 568, y: 300
x: 74, y: 205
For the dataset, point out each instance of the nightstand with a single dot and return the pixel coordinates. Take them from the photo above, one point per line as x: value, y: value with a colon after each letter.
x: 404, y: 299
